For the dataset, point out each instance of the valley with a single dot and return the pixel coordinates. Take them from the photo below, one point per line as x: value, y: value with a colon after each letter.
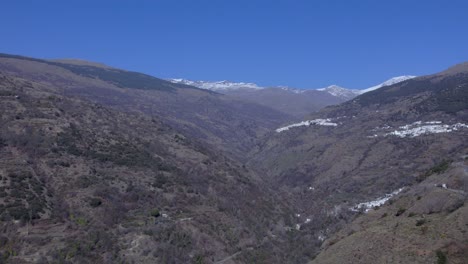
x: 104, y: 165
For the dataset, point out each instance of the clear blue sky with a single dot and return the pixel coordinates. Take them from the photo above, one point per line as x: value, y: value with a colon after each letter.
x: 302, y: 44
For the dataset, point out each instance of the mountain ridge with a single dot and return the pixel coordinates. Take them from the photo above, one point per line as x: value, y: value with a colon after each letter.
x: 335, y: 90
x: 101, y: 167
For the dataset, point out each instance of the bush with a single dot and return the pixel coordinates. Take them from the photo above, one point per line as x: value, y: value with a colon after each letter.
x: 155, y: 213
x: 439, y: 168
x: 420, y: 222
x: 95, y: 202
x: 400, y: 211
x: 441, y: 257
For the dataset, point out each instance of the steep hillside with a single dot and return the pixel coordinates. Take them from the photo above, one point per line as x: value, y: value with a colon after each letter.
x: 297, y: 103
x: 220, y: 121
x: 84, y: 183
x: 372, y: 132
x: 366, y: 148
x: 426, y: 223
x: 101, y: 165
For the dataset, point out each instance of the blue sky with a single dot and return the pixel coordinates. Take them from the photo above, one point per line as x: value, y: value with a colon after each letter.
x: 302, y: 44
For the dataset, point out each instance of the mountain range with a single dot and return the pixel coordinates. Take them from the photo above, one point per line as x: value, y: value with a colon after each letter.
x: 295, y: 102
x: 105, y: 165
x: 335, y: 90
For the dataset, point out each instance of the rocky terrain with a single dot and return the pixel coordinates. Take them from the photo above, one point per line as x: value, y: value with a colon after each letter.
x: 84, y: 183
x: 426, y: 223
x: 370, y: 146
x: 217, y: 120
x: 102, y: 165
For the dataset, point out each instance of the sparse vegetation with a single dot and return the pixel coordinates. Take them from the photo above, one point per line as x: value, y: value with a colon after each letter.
x: 99, y: 177
x: 439, y: 168
x: 441, y: 257
x: 95, y: 202
x: 400, y: 211
x: 420, y: 222
x: 155, y: 213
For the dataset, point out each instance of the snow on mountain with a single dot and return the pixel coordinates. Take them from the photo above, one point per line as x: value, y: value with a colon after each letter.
x: 389, y: 82
x: 217, y: 86
x: 340, y: 92
x: 334, y: 90
x: 293, y: 90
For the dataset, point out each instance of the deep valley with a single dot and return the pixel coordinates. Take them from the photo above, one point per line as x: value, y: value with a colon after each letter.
x: 104, y: 165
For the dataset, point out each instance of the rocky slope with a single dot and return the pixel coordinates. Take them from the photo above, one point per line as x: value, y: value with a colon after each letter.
x: 366, y: 148
x: 426, y: 223
x: 101, y: 165
x: 220, y: 121
x: 297, y: 103
x: 84, y: 183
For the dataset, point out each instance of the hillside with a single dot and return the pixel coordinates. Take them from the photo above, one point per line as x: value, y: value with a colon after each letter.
x: 222, y: 122
x: 84, y: 183
x: 365, y: 148
x: 297, y: 103
x: 427, y: 223
x: 102, y: 165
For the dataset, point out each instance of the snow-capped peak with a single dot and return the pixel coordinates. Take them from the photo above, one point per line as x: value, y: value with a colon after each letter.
x: 389, y: 82
x: 347, y: 94
x: 217, y: 85
x: 341, y: 92
x: 334, y: 90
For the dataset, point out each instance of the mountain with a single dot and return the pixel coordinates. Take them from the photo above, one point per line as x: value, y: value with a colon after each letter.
x: 426, y: 223
x: 347, y: 94
x: 340, y: 92
x: 389, y: 82
x: 223, y: 122
x: 217, y: 86
x: 294, y: 102
x: 83, y: 182
x: 359, y: 153
x: 104, y: 165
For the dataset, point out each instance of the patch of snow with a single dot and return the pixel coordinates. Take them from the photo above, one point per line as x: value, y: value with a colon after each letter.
x: 298, y: 227
x: 367, y: 206
x: 340, y: 92
x: 296, y: 91
x: 345, y: 93
x: 319, y: 122
x: 298, y: 215
x: 389, y: 82
x: 217, y: 85
x: 308, y: 220
x: 311, y: 188
x: 444, y: 186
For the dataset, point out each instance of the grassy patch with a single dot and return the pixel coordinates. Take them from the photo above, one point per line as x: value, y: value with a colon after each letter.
x: 438, y: 168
